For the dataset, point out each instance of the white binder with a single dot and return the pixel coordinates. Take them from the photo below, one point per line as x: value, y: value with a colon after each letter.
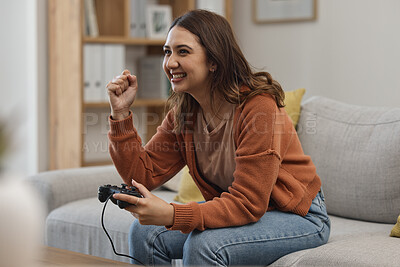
x: 93, y: 73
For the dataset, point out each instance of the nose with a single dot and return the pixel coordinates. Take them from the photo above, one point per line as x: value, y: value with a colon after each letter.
x: 171, y: 62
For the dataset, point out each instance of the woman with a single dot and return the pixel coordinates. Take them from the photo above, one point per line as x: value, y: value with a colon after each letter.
x: 228, y: 125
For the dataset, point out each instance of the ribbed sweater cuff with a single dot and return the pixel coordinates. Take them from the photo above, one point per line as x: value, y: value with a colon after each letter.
x: 183, y: 219
x: 312, y: 191
x: 121, y: 127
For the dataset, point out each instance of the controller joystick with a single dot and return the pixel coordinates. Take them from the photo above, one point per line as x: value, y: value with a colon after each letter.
x: 105, y: 191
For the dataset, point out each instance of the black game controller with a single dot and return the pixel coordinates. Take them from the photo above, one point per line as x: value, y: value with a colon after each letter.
x: 106, y: 191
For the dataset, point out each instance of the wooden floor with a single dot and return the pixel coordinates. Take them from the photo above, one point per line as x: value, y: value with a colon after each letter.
x: 60, y: 257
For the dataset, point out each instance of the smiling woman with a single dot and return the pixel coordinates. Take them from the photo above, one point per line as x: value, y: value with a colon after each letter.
x: 229, y: 126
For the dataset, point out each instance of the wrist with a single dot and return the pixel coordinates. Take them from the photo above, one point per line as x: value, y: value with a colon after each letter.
x: 120, y: 115
x: 170, y: 216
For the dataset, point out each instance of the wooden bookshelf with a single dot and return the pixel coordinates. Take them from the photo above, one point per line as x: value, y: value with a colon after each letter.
x: 137, y: 103
x: 65, y: 80
x: 66, y: 41
x: 123, y: 40
x: 96, y: 163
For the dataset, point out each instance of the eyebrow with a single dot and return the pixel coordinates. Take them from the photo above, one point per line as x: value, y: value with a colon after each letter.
x: 179, y: 46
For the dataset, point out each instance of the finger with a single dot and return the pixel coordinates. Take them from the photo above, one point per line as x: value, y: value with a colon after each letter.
x: 112, y: 88
x: 126, y: 72
x: 142, y: 189
x: 122, y: 77
x: 119, y: 91
x: 132, y: 79
x: 121, y: 82
x: 126, y: 81
x: 127, y: 198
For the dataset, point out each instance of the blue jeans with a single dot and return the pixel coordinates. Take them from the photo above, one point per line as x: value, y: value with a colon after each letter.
x: 273, y: 236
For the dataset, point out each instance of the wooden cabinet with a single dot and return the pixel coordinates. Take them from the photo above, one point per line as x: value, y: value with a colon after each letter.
x: 66, y: 40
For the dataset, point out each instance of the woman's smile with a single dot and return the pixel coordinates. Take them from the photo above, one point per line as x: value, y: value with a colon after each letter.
x: 177, y: 77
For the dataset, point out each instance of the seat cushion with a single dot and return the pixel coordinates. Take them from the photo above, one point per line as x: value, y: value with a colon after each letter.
x: 343, y: 227
x: 76, y: 226
x: 352, y: 243
x: 359, y: 250
x: 357, y: 152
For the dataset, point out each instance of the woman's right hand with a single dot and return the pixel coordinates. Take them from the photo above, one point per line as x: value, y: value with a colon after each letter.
x: 121, y: 94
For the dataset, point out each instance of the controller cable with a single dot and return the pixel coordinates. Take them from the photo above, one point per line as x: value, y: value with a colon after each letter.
x: 109, y: 238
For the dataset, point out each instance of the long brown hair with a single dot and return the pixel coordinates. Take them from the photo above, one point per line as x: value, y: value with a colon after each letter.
x: 216, y: 36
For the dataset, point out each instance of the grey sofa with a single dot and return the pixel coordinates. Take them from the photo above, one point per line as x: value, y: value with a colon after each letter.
x: 357, y: 154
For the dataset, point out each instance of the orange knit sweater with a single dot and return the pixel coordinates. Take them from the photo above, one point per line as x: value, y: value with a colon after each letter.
x: 271, y: 172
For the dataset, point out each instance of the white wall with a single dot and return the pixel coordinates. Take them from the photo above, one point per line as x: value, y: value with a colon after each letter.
x: 351, y: 53
x: 23, y: 90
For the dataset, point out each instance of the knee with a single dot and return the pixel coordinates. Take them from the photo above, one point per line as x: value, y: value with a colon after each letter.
x: 136, y: 232
x: 139, y: 234
x: 199, y: 250
x: 142, y: 241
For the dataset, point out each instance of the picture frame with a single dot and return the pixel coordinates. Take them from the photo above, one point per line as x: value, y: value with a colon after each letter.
x: 277, y: 11
x: 158, y: 21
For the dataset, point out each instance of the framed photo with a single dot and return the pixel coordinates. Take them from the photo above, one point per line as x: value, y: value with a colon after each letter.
x: 158, y: 21
x: 274, y: 11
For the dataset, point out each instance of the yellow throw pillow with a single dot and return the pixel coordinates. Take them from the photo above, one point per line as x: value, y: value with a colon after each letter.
x: 188, y: 190
x: 293, y: 103
x: 396, y: 229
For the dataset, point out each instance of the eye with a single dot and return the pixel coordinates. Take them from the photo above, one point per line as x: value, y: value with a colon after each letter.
x: 167, y: 52
x: 183, y: 51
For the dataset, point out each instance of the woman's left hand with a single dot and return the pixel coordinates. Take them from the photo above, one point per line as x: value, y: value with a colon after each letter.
x: 150, y: 210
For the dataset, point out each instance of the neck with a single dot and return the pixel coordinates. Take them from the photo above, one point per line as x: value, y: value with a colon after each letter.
x: 213, y: 112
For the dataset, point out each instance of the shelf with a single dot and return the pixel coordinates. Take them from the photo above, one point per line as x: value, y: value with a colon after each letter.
x: 123, y: 40
x: 96, y: 163
x: 137, y: 103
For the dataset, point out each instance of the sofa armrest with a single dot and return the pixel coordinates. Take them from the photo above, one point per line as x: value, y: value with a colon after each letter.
x: 59, y: 187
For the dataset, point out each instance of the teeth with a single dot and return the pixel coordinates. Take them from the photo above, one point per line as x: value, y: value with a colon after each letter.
x: 176, y: 76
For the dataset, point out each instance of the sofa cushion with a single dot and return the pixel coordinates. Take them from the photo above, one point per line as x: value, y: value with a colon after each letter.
x: 63, y: 186
x: 396, y: 229
x: 352, y: 243
x: 341, y: 228
x: 76, y: 226
x: 174, y: 183
x: 188, y: 190
x: 376, y: 249
x: 357, y: 152
x: 293, y: 104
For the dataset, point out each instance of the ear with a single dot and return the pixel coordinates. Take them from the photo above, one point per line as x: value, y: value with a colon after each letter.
x: 213, y: 67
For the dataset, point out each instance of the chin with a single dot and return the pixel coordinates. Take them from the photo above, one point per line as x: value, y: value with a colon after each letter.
x: 178, y: 90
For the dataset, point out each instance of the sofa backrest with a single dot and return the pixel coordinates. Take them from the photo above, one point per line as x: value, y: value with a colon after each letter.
x: 356, y: 151
x: 59, y: 187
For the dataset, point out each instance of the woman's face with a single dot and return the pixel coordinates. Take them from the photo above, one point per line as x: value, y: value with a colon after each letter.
x: 186, y: 63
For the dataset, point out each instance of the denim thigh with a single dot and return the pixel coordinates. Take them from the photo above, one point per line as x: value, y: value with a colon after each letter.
x: 261, y: 243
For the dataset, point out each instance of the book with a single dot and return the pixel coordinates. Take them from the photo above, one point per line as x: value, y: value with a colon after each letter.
x: 101, y: 63
x: 114, y: 64
x: 138, y: 19
x: 93, y: 73
x: 91, y: 26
